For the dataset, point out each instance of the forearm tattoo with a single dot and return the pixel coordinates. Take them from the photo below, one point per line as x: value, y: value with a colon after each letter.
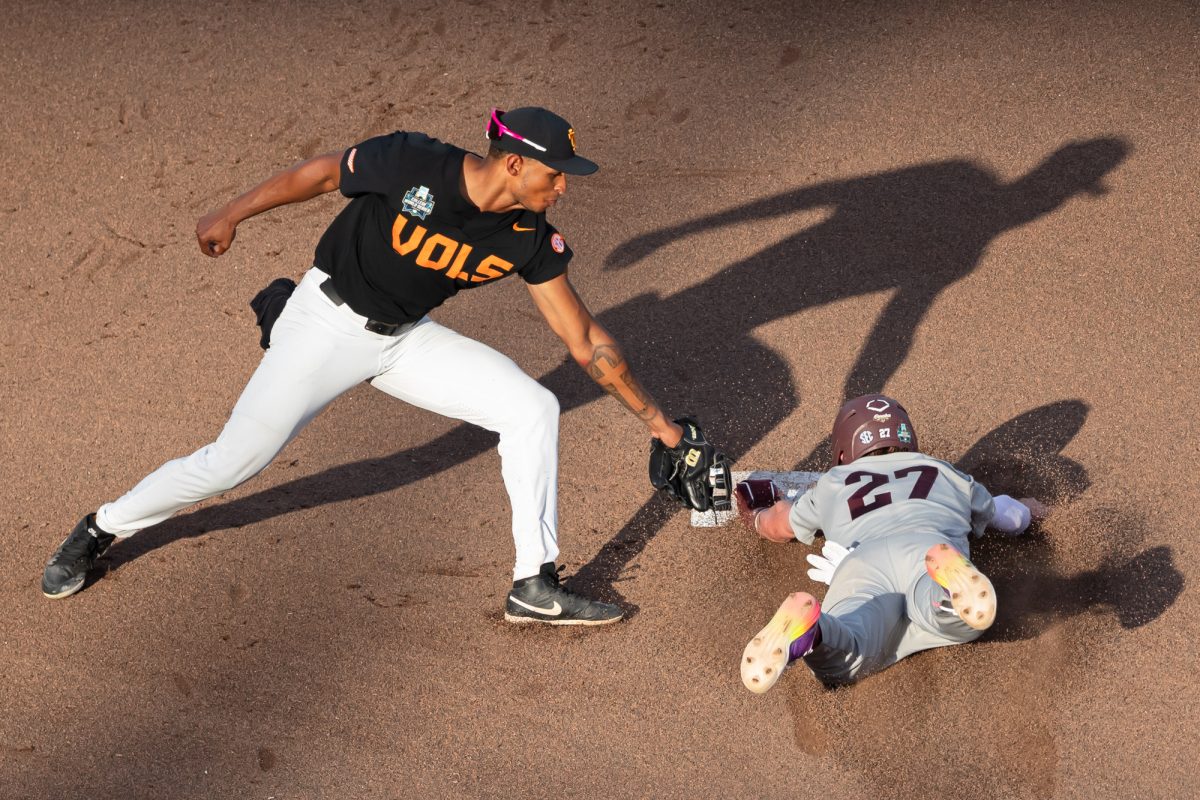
x: 609, y: 369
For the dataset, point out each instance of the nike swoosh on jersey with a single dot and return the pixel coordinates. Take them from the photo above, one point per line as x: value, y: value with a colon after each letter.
x: 553, y: 611
x: 517, y: 227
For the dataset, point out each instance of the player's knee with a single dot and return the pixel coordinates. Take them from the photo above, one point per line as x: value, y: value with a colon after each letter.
x: 523, y: 414
x: 544, y: 411
x: 529, y: 429
x: 544, y: 405
x: 226, y: 464
x: 535, y: 409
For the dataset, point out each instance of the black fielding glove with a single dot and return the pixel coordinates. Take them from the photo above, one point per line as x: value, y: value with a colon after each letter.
x: 693, y: 472
x: 268, y: 305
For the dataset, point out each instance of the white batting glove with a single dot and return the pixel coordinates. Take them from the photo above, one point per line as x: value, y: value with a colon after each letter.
x: 1012, y: 517
x: 826, y: 564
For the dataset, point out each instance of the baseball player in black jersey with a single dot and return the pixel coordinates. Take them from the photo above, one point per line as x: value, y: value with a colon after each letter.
x: 425, y: 220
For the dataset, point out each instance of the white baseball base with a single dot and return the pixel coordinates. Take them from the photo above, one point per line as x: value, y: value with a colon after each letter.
x: 792, y: 484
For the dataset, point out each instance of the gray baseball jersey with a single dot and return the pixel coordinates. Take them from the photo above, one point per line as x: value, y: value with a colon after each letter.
x: 881, y: 605
x: 895, y: 493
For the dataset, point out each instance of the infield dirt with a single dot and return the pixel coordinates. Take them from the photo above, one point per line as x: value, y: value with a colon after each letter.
x: 987, y: 210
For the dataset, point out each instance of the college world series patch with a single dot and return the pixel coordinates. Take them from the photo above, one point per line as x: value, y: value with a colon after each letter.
x: 418, y: 201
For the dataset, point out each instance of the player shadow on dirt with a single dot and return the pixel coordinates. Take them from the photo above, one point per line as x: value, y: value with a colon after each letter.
x: 1023, y: 457
x: 913, y: 232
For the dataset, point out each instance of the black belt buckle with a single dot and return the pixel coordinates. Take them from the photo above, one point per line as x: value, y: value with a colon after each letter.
x: 373, y: 325
x: 382, y: 328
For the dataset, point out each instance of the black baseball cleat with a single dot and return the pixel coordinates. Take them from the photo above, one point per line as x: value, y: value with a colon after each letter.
x: 67, y: 569
x: 542, y: 599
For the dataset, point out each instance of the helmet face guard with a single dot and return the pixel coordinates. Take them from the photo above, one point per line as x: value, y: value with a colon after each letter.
x: 869, y: 423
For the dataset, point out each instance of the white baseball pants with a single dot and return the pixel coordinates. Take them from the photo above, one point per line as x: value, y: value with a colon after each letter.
x: 318, y: 351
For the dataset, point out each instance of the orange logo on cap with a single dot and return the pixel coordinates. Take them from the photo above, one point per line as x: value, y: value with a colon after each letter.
x: 571, y: 136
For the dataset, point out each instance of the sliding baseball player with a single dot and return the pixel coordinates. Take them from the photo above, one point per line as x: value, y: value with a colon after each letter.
x: 897, y: 525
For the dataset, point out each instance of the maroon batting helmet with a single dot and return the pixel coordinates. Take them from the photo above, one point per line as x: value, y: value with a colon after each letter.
x: 869, y: 423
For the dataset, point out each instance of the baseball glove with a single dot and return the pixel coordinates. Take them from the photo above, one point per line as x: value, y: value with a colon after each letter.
x: 693, y: 471
x: 268, y: 305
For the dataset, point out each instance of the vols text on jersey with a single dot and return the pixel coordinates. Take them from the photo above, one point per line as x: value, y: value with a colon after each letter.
x: 440, y: 252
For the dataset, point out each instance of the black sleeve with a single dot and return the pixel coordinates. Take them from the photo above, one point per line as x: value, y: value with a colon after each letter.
x: 371, y: 167
x: 550, y: 261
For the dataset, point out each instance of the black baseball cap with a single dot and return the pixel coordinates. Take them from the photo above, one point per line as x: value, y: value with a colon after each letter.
x: 539, y: 134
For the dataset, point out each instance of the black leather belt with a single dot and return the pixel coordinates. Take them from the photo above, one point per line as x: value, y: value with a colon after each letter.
x: 373, y: 325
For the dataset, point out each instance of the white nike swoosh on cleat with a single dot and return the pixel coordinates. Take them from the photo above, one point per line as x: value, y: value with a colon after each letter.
x: 553, y: 611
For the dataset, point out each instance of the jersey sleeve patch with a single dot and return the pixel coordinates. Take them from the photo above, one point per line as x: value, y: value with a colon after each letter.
x: 373, y: 166
x: 550, y: 261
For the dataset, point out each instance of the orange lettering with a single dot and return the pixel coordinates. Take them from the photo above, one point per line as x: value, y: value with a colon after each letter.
x: 487, y: 268
x: 426, y: 259
x: 452, y: 255
x: 456, y: 268
x: 415, y: 239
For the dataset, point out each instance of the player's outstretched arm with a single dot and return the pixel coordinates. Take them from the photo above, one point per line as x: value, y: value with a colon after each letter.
x: 772, y: 523
x: 1013, y: 516
x: 599, y: 355
x: 317, y: 175
x: 762, y: 509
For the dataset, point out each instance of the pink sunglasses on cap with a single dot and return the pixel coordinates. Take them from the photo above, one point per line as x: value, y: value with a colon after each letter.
x: 497, y: 129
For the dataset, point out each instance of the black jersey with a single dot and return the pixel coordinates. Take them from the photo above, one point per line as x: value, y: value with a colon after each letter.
x: 408, y: 239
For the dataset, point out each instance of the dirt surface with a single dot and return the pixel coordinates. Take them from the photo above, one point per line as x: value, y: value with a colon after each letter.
x: 987, y: 210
